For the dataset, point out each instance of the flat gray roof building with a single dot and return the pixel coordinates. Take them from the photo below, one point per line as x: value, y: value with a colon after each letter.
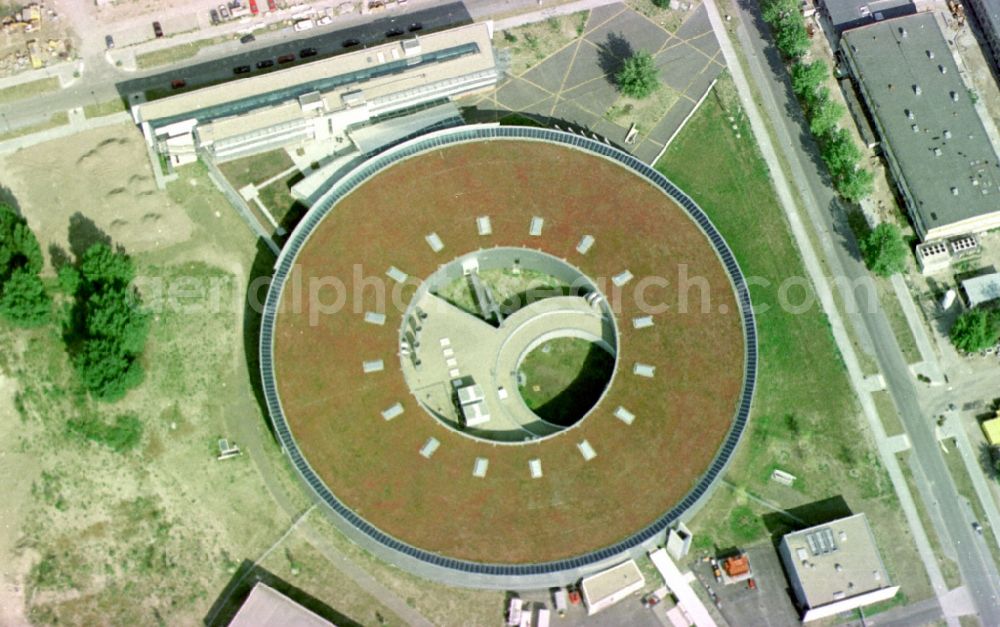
x: 847, y: 14
x: 982, y: 289
x: 934, y: 140
x: 265, y: 607
x: 835, y: 567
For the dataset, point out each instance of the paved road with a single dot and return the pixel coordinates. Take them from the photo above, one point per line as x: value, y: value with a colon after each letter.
x: 977, y: 569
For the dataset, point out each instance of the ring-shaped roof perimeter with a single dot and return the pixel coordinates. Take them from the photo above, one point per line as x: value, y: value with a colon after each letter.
x: 357, y: 435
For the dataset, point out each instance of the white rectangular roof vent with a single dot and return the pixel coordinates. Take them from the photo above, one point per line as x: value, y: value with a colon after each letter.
x: 624, y: 415
x: 483, y: 225
x: 536, y: 468
x: 536, y: 226
x: 396, y: 274
x: 644, y: 370
x: 479, y: 469
x: 621, y: 278
x: 434, y: 241
x: 393, y: 411
x: 586, y: 450
x: 429, y: 447
x: 642, y: 322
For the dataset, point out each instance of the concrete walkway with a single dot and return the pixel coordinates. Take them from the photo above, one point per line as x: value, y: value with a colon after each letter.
x: 815, y: 270
x: 78, y: 125
x: 970, y: 458
x: 929, y: 365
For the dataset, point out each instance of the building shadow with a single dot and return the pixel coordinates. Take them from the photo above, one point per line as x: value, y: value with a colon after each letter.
x: 247, y: 576
x: 779, y: 524
x: 258, y: 283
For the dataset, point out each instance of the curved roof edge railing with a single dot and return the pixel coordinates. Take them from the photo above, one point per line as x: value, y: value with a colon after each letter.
x: 482, y: 574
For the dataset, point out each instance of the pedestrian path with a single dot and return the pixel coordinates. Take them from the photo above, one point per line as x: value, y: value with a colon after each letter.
x: 929, y: 365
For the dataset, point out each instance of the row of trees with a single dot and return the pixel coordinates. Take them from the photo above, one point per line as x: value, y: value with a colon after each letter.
x: 838, y: 150
x: 103, y: 323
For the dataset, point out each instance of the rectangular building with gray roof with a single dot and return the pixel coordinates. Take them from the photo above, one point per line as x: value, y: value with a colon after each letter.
x: 933, y: 139
x: 848, y: 14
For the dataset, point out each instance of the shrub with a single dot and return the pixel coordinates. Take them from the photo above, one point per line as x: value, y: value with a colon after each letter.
x: 975, y: 330
x: 121, y: 436
x: 24, y: 300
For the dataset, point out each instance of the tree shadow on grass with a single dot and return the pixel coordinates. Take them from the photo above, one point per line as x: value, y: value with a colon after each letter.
x: 249, y: 575
x: 8, y: 198
x: 611, y: 55
x: 84, y: 233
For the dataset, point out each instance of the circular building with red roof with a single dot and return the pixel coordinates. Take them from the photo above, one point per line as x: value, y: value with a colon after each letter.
x: 507, y: 356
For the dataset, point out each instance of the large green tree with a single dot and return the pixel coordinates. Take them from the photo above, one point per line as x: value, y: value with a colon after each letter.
x: 976, y: 329
x: 773, y: 11
x: 110, y: 326
x: 24, y: 300
x: 840, y: 153
x: 639, y: 76
x: 884, y: 250
x: 856, y: 184
x: 791, y: 37
x: 807, y: 77
x: 824, y: 116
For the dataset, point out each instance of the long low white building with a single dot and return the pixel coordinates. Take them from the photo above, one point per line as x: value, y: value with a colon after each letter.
x: 320, y: 100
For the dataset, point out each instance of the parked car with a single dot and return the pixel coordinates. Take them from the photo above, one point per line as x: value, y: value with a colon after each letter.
x: 157, y: 29
x: 977, y: 527
x: 214, y: 15
x: 248, y: 38
x: 272, y: 5
x: 177, y: 83
x: 414, y: 27
x: 395, y: 32
x: 109, y: 41
x: 302, y: 25
x: 265, y: 64
x: 286, y: 58
x: 323, y: 21
x: 224, y: 11
x: 241, y: 69
x: 307, y: 52
x: 350, y: 43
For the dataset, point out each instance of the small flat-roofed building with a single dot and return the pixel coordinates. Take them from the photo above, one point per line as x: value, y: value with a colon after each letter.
x: 934, y: 141
x: 991, y: 429
x: 265, y: 606
x: 604, y: 589
x: 324, y: 99
x: 982, y: 289
x: 835, y: 567
x: 847, y: 14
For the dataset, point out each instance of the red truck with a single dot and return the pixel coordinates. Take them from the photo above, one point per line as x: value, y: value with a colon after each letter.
x: 272, y: 6
x: 254, y: 10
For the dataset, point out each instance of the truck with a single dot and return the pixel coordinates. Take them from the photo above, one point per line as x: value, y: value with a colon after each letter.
x: 559, y: 597
x: 514, y: 611
x: 542, y: 618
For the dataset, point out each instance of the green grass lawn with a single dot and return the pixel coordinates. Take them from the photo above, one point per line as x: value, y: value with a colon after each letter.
x: 101, y: 109
x: 805, y: 418
x: 28, y: 90
x: 564, y: 377
x: 256, y: 169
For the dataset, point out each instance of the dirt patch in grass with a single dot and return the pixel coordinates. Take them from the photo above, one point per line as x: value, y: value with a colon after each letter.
x: 530, y: 44
x: 111, y: 193
x: 805, y: 419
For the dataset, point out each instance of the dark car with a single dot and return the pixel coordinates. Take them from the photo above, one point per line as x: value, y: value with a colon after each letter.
x: 307, y: 52
x: 157, y: 29
x: 414, y: 27
x: 265, y: 63
x: 245, y: 39
x: 286, y: 58
x: 109, y: 41
x: 395, y: 32
x: 177, y: 83
x: 214, y: 15
x: 350, y: 43
x: 241, y: 69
